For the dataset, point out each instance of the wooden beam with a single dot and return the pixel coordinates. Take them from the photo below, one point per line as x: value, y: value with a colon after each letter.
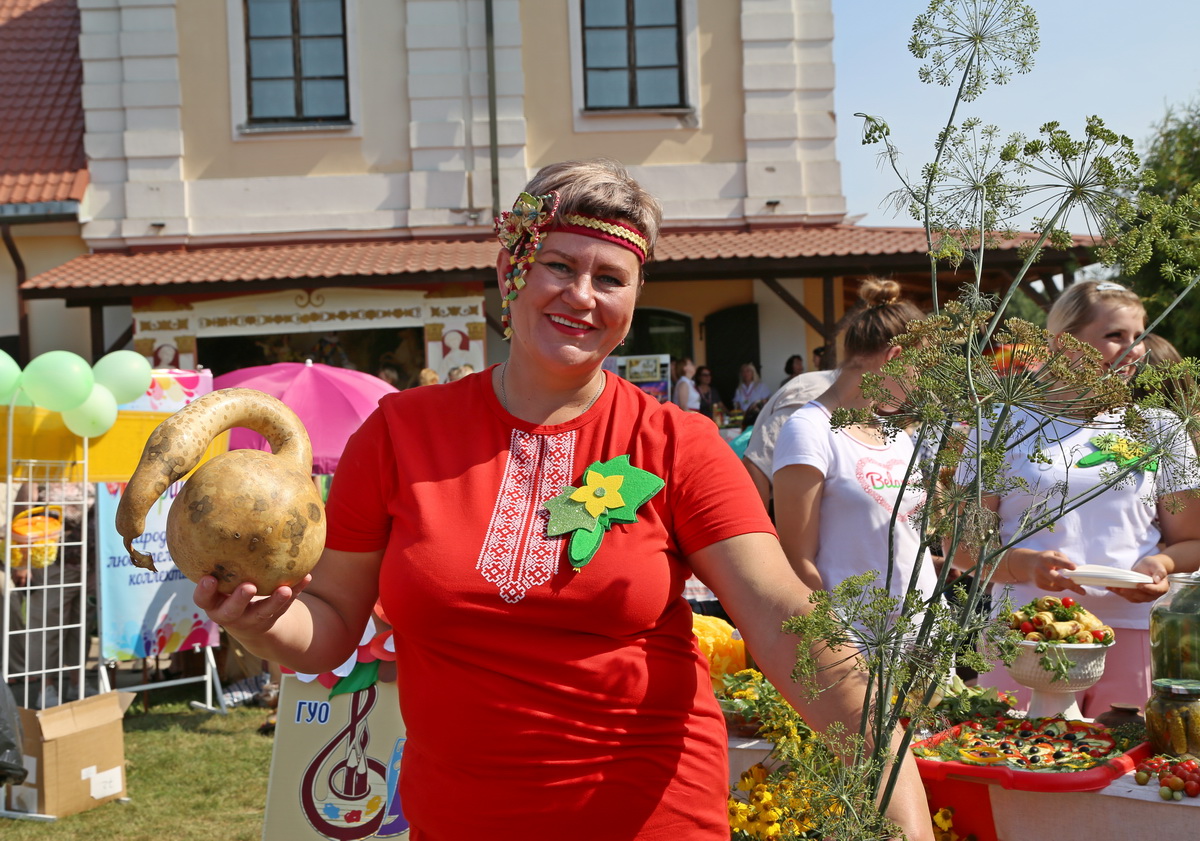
x: 797, y: 307
x: 122, y: 340
x: 96, y: 319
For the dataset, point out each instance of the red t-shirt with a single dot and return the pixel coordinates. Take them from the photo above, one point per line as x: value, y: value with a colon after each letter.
x: 539, y: 700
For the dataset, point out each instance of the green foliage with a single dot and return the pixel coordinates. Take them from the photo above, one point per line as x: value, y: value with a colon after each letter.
x: 1166, y: 256
x: 974, y: 43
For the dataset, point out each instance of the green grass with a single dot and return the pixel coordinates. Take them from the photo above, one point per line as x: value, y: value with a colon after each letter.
x: 190, y: 776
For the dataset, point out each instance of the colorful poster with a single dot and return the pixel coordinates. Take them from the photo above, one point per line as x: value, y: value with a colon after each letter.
x: 144, y: 613
x: 171, y: 389
x: 336, y: 762
x: 651, y: 373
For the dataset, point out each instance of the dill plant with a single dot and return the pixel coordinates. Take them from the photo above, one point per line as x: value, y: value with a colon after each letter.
x: 966, y: 199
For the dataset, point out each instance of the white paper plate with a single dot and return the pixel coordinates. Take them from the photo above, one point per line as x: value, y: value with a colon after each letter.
x: 1095, y: 575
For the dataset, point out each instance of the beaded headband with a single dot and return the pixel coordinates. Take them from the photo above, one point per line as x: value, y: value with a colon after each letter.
x: 521, y: 230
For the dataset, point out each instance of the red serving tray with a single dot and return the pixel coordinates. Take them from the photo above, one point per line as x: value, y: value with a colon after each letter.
x: 1091, y: 779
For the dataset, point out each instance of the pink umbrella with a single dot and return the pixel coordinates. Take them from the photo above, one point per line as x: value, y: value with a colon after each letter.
x: 330, y: 402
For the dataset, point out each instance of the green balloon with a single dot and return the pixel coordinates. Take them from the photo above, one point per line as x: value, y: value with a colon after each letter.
x: 58, y: 380
x: 125, y: 373
x: 10, y: 373
x: 95, y: 416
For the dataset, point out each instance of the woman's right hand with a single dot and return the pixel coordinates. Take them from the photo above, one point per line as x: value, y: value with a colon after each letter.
x: 243, y: 612
x: 1042, y: 569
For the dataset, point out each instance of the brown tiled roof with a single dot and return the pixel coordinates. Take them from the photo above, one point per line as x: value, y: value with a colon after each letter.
x: 41, y: 112
x: 306, y: 262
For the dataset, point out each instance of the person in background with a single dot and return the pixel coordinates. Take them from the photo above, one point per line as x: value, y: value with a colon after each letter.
x: 819, y: 358
x: 1148, y: 523
x: 685, y: 395
x: 751, y: 390
x: 458, y: 372
x: 427, y: 376
x: 760, y: 450
x: 1159, y: 350
x: 740, y: 443
x: 836, y: 489
x: 389, y: 375
x: 794, y: 367
x: 710, y: 398
x: 567, y: 644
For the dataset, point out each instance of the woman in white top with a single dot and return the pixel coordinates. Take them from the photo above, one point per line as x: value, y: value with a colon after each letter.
x: 1149, y: 522
x: 686, y: 395
x: 835, y: 490
x: 750, y: 390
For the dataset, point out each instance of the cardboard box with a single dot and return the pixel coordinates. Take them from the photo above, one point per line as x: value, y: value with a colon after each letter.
x: 75, y: 755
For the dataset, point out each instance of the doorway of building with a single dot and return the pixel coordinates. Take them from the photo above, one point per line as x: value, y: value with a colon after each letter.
x: 731, y: 340
x: 658, y: 331
x: 394, y: 353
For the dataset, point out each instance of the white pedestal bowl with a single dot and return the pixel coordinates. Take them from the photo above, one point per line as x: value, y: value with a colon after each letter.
x: 1057, y: 697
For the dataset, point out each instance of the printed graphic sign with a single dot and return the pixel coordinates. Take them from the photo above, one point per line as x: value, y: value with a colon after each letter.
x: 336, y: 764
x: 651, y: 373
x: 144, y: 613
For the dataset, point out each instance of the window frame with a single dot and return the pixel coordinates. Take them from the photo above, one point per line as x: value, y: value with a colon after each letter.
x: 650, y: 118
x: 632, y: 65
x: 297, y: 78
x: 242, y: 129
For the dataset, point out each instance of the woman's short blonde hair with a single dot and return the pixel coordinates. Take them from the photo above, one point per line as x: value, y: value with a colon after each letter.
x: 749, y: 366
x: 1076, y: 306
x: 604, y: 188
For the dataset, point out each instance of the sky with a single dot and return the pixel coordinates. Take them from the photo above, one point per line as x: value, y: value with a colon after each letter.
x: 1124, y: 62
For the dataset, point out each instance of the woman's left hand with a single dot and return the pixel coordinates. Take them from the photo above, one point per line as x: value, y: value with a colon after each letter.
x: 1157, y: 567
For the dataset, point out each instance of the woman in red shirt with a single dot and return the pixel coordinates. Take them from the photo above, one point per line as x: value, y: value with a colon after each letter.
x: 529, y: 530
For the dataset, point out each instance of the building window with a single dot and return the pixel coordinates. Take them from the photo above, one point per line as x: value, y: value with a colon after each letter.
x: 633, y: 54
x: 659, y: 331
x: 296, y: 62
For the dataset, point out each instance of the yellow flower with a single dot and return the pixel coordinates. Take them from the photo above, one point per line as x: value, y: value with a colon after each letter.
x: 944, y: 818
x: 600, y: 492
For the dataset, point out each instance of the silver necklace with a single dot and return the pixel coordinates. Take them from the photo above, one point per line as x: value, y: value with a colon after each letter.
x: 504, y: 393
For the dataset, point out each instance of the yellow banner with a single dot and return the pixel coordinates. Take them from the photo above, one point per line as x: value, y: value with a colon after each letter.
x: 112, y: 457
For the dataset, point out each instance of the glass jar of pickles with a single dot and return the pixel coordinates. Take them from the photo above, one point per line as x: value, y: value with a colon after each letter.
x: 1173, y: 717
x: 1175, y: 630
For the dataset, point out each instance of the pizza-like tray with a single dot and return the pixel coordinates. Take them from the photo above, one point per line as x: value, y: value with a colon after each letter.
x: 1015, y: 779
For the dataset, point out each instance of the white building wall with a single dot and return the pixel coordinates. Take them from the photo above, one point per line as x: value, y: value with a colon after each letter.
x: 781, y: 332
x: 133, y: 132
x: 792, y: 171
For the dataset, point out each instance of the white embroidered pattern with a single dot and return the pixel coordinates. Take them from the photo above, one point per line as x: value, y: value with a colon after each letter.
x: 516, y: 554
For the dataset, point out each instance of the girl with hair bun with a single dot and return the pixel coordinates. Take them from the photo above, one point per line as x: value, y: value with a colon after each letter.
x: 835, y: 490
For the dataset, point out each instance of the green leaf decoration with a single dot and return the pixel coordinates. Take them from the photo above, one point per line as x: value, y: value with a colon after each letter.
x: 566, y: 515
x: 569, y: 516
x: 1126, y: 453
x: 583, y: 547
x: 1092, y: 459
x: 360, y: 677
x: 637, y: 489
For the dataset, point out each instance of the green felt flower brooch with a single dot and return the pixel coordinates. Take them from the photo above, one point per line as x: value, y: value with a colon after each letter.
x: 610, y: 492
x: 1112, y: 447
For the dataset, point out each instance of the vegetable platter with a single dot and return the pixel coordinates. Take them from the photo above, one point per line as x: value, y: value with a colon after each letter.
x: 1050, y: 754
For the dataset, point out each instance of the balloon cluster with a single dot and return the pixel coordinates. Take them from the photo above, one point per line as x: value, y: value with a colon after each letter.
x: 86, y: 395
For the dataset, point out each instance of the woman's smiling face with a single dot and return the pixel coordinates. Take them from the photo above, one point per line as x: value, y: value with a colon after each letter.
x: 1112, y: 330
x: 578, y: 301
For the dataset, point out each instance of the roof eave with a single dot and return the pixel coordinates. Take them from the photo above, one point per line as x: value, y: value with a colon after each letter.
x: 31, y: 213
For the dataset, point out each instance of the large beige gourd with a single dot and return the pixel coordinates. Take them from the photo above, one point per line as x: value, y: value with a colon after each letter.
x: 246, y: 515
